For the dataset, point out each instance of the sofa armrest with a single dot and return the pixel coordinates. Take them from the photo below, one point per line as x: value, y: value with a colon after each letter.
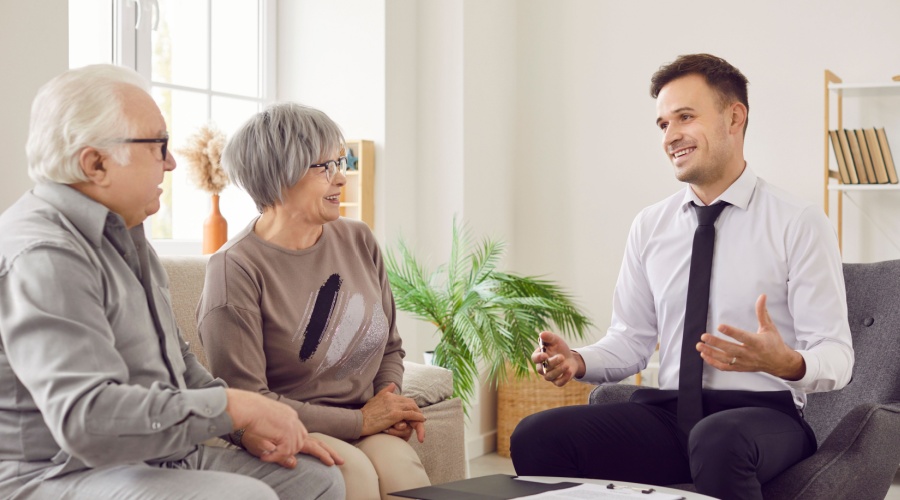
x: 612, y: 393
x: 443, y: 453
x: 857, y: 460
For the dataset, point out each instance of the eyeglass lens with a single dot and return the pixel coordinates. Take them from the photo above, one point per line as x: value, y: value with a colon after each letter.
x: 163, y: 140
x: 333, y: 166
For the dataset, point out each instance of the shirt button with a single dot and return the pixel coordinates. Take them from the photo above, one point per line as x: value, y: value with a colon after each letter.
x: 869, y: 321
x: 155, y: 425
x: 212, y: 429
x: 207, y: 410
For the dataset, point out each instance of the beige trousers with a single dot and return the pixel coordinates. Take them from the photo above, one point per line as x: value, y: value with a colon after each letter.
x: 378, y: 464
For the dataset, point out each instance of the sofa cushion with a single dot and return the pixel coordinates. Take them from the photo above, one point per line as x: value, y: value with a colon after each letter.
x: 426, y: 384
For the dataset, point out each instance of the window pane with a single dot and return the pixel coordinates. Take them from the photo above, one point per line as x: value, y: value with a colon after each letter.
x: 238, y: 209
x: 184, y: 112
x: 180, y: 43
x: 236, y: 205
x: 191, y: 204
x: 235, y: 43
x: 211, y: 46
x: 229, y: 114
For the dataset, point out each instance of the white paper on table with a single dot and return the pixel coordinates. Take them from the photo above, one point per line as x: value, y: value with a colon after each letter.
x: 600, y: 492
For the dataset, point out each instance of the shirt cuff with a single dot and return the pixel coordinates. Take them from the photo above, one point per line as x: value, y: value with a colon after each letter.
x: 589, y: 375
x: 209, y: 405
x: 809, y: 376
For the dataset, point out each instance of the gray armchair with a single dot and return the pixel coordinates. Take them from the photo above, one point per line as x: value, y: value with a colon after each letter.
x: 858, y: 427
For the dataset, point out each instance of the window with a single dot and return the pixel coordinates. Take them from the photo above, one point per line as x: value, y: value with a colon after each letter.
x: 207, y: 61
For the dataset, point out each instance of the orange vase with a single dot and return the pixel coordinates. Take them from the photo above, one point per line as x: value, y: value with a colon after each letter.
x: 215, y: 228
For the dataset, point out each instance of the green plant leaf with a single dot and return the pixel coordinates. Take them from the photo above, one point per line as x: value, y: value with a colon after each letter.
x: 481, y: 314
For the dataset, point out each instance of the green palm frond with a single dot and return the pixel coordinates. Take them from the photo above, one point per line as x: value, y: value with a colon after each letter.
x: 482, y: 314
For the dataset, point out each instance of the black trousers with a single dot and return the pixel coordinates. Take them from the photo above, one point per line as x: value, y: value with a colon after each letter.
x: 746, y: 439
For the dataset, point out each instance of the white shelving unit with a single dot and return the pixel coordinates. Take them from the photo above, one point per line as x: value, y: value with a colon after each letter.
x: 863, y: 187
x: 835, y: 87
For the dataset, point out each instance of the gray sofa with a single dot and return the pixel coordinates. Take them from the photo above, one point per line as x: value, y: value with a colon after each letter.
x: 857, y: 427
x: 442, y: 453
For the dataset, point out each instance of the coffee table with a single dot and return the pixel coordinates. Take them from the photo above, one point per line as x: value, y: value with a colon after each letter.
x: 504, y: 486
x: 688, y: 495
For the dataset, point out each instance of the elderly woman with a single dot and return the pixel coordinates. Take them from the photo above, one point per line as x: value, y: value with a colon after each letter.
x: 298, y: 307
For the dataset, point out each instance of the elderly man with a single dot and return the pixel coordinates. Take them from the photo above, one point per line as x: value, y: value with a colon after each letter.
x: 99, y: 395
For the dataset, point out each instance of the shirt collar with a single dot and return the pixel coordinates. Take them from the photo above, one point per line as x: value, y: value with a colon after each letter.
x: 739, y: 193
x: 86, y: 214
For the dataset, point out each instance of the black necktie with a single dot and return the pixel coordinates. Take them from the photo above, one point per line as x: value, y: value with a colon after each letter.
x: 690, y: 378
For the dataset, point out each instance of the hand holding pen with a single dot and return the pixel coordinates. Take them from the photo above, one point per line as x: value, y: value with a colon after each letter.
x: 555, y: 361
x: 544, y: 364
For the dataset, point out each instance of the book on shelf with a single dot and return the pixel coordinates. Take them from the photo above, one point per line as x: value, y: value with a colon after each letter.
x: 866, y: 157
x: 839, y: 156
x: 856, y: 152
x: 878, y: 165
x: 886, y: 154
x: 848, y: 158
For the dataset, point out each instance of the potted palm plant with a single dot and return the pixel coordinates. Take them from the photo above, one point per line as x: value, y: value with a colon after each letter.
x: 482, y: 315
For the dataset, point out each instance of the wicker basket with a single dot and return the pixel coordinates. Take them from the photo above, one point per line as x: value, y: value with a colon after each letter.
x: 518, y: 398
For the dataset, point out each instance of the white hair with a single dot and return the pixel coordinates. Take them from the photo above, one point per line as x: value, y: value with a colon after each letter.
x: 80, y: 108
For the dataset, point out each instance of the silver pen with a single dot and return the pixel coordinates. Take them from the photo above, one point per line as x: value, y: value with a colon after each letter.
x: 544, y: 363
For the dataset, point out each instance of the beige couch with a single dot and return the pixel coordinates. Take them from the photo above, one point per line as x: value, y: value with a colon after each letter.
x: 442, y: 454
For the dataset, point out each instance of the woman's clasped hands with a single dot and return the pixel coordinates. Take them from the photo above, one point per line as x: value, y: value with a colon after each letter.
x: 393, y: 414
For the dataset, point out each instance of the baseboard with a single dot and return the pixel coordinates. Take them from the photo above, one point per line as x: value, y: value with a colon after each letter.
x: 481, y: 445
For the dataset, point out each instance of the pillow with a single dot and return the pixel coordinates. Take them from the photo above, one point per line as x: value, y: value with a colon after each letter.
x: 426, y: 384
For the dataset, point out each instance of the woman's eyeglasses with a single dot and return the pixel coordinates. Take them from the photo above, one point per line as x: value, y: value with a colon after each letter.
x: 332, y: 166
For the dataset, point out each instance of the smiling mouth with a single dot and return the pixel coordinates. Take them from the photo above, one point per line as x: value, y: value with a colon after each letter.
x: 334, y: 197
x: 682, y: 152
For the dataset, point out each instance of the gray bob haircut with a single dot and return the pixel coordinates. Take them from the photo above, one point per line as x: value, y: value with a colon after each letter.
x: 273, y: 150
x: 80, y: 108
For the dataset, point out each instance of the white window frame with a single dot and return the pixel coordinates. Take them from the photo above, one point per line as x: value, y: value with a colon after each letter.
x: 132, y: 47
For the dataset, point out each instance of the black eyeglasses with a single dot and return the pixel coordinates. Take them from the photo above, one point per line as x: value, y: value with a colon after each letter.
x: 161, y: 140
x: 332, y: 166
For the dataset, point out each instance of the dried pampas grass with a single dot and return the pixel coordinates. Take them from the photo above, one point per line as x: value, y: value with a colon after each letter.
x: 203, y: 154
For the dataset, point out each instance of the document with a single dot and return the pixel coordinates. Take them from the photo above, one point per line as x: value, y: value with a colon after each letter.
x: 601, y: 492
x: 503, y: 486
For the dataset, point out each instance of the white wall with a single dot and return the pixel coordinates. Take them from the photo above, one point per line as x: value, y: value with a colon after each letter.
x: 34, y: 47
x: 589, y: 152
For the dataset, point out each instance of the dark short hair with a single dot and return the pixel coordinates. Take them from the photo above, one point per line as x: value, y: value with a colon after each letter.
x: 725, y: 79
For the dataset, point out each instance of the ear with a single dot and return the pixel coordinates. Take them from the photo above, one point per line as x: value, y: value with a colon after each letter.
x: 738, y: 118
x: 91, y: 162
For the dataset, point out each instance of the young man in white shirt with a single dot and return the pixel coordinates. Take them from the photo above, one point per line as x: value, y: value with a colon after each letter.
x: 776, y: 327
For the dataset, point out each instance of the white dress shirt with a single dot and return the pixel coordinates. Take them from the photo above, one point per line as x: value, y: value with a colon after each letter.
x: 766, y: 242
